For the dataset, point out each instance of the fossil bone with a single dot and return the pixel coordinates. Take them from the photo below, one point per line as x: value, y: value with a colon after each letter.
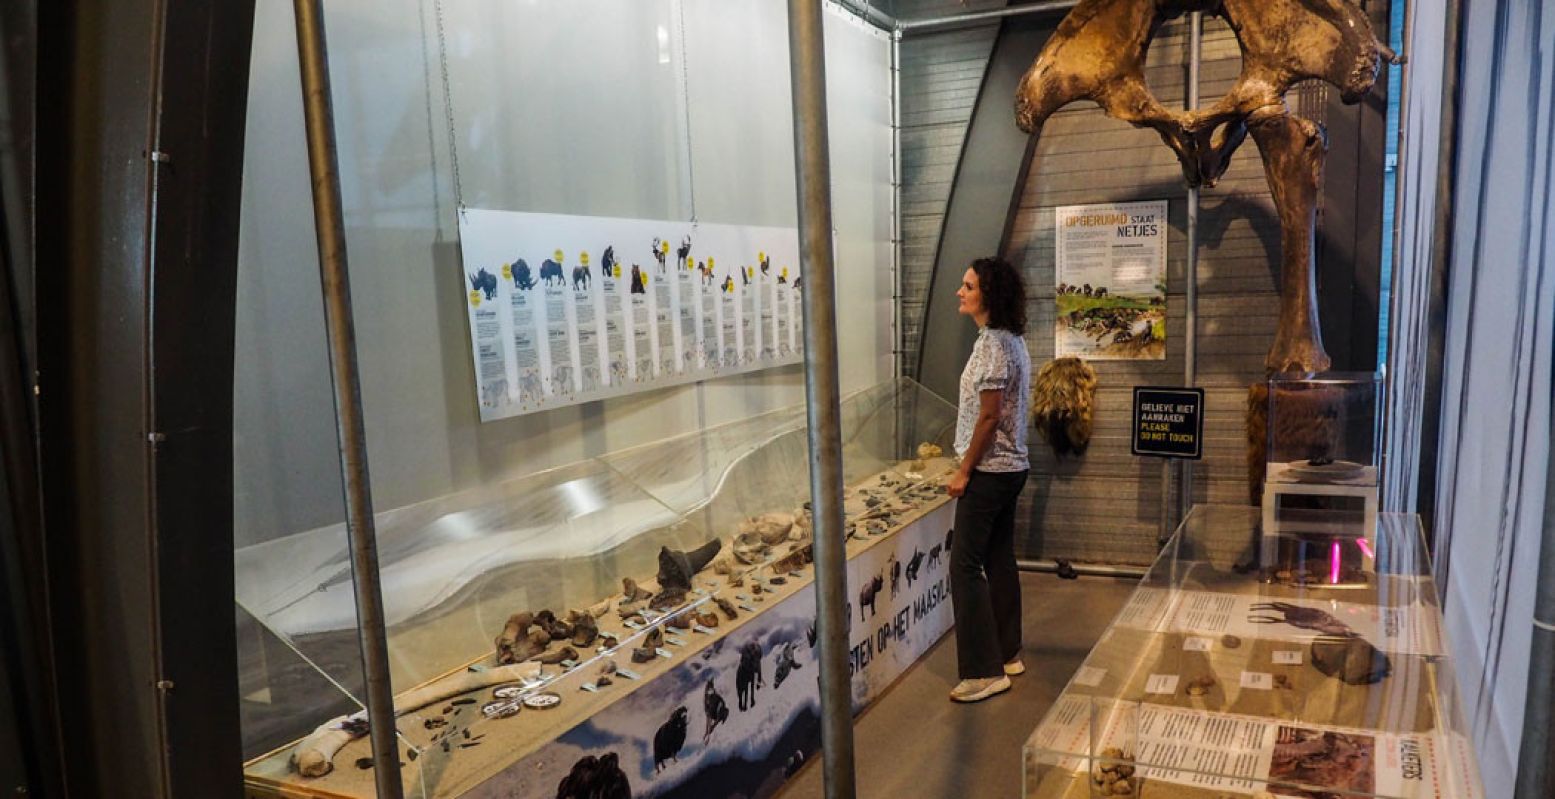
x: 315, y: 754
x: 1098, y: 54
x: 676, y: 568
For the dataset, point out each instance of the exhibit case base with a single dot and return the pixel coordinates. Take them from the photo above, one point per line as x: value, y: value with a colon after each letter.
x: 1219, y: 679
x: 709, y: 692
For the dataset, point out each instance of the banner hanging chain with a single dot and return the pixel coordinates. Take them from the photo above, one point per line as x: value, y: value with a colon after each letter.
x: 685, y: 84
x: 448, y: 106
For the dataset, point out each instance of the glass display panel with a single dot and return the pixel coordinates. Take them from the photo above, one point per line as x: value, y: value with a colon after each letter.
x: 1324, y: 429
x: 1223, y: 678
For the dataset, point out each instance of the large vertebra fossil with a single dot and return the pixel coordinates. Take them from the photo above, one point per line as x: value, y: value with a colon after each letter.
x: 1098, y: 53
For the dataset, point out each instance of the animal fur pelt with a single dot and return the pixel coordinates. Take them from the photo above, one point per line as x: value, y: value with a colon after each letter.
x: 1063, y: 405
x: 1308, y: 425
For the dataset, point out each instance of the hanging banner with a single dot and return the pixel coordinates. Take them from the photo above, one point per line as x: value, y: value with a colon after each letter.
x: 1110, y: 270
x: 568, y: 309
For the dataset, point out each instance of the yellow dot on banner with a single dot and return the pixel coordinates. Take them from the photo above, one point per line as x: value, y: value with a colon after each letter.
x: 583, y: 257
x: 558, y: 255
x: 749, y: 272
x: 785, y: 272
x: 761, y: 256
x: 618, y: 270
x: 709, y: 262
x: 664, y: 246
x: 645, y: 278
x: 507, y: 271
x: 475, y: 298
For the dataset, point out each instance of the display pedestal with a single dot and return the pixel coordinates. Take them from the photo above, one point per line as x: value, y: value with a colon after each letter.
x: 1284, y: 483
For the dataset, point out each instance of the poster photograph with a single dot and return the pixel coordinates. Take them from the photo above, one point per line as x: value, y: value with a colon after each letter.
x: 1110, y: 274
x: 569, y: 309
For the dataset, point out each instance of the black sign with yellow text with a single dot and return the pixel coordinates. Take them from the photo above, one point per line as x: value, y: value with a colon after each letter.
x: 1169, y: 422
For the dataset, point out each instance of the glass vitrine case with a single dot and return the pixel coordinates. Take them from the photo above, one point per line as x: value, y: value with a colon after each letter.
x: 554, y: 584
x: 1298, y: 679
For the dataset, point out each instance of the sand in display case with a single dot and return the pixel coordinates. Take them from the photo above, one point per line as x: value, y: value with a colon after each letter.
x: 666, y: 585
x: 1219, y: 679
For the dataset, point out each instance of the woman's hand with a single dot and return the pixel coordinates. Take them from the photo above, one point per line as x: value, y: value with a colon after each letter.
x: 957, y: 483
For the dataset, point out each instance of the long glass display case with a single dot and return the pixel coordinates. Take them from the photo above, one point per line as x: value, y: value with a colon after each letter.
x: 540, y: 581
x: 1320, y: 672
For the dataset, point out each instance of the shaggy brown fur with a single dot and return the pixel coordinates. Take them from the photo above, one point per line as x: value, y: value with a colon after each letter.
x: 1063, y: 405
x: 1307, y: 424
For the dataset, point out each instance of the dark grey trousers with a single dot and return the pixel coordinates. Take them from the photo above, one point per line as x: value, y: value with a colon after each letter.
x: 984, y: 583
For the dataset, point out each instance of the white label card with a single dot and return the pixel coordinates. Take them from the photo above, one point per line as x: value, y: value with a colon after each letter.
x: 1161, y: 684
x: 1287, y: 657
x: 1089, y: 676
x: 1197, y: 644
x: 1258, y: 680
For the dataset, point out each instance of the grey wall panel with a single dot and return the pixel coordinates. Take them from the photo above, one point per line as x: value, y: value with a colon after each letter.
x: 941, y: 76
x: 1107, y: 505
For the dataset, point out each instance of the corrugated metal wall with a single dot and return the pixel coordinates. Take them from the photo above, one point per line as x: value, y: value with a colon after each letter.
x: 941, y: 75
x: 1107, y: 506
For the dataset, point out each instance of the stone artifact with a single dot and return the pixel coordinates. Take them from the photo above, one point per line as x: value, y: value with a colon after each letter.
x: 516, y: 630
x: 749, y: 549
x: 1199, y: 686
x: 1353, y: 660
x: 771, y: 528
x: 1063, y: 401
x: 927, y: 451
x: 1098, y: 53
x: 631, y: 592
x: 584, y: 628
x: 1113, y: 774
x: 552, y: 658
x: 727, y: 607
x: 676, y: 568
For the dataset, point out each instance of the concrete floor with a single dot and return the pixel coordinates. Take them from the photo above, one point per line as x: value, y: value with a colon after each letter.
x: 915, y: 742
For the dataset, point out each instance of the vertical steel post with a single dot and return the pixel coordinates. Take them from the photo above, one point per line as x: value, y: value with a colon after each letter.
x: 812, y: 167
x: 329, y: 224
x: 1190, y: 358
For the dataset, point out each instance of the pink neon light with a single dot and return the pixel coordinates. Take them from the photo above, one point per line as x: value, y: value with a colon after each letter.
x: 1333, y: 564
x: 1366, y: 547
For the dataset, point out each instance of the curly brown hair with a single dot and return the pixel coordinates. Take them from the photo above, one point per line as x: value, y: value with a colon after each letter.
x: 1004, y: 294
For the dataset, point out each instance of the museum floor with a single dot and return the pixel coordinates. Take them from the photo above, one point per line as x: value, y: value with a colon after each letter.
x: 915, y: 742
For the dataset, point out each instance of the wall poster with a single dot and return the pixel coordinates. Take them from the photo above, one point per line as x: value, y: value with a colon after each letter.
x: 568, y: 309
x: 1110, y: 270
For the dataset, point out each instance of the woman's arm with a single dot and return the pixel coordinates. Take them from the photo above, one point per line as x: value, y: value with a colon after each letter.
x: 982, y: 437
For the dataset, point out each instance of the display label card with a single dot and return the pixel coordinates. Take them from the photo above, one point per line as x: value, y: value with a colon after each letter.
x: 1258, y: 680
x: 664, y: 653
x: 1089, y: 676
x: 567, y: 664
x: 700, y: 629
x: 1287, y: 657
x: 1168, y: 422
x: 629, y: 674
x: 1197, y: 644
x: 1109, y: 272
x: 746, y: 606
x: 1161, y: 684
x: 633, y: 624
x: 590, y: 687
x: 673, y: 641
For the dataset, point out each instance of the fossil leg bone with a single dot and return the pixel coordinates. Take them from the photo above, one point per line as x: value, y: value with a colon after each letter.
x: 1293, y: 149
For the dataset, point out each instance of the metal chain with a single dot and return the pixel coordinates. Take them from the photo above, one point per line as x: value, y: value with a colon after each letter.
x: 448, y: 105
x: 685, y: 82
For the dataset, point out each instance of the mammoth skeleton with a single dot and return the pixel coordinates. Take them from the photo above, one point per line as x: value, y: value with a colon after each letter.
x: 1098, y: 54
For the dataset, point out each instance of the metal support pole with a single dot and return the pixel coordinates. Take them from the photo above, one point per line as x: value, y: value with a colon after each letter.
x: 898, y: 335
x: 1050, y: 566
x: 1190, y: 357
x: 329, y: 224
x: 1536, y: 761
x: 812, y: 162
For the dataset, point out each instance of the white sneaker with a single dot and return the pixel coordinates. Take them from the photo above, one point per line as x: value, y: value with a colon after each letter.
x: 1014, y: 668
x: 980, y: 689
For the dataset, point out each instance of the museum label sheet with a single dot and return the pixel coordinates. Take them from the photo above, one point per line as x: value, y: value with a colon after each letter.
x: 567, y: 309
x: 1110, y: 273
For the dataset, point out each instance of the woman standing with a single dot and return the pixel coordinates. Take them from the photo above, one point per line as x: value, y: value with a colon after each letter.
x: 991, y: 442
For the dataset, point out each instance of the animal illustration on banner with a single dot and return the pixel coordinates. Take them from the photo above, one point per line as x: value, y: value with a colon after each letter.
x: 589, y: 346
